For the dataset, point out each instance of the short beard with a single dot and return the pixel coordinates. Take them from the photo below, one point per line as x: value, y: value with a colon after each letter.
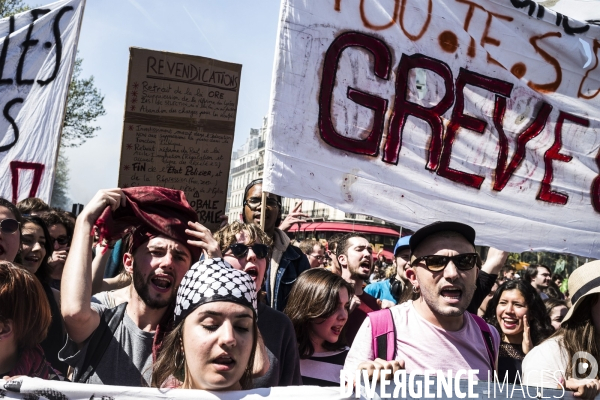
x: 455, y: 311
x: 355, y: 275
x: 143, y: 291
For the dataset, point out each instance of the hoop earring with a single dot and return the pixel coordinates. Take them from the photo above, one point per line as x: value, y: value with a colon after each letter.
x: 415, y: 289
x: 179, y: 356
x: 179, y: 359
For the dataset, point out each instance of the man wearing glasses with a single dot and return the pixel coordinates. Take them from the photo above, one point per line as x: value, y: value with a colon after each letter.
x: 287, y: 261
x: 315, y: 252
x: 434, y: 332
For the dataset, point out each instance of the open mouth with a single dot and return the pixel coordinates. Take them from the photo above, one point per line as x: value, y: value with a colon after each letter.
x: 365, y: 264
x: 451, y: 294
x: 252, y: 271
x: 224, y: 362
x: 337, y: 330
x: 32, y: 258
x: 162, y: 283
x: 510, y: 323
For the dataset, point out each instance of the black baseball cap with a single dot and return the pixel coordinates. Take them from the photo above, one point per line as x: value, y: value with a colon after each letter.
x: 442, y: 226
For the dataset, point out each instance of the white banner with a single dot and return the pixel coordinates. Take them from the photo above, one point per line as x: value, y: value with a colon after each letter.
x: 34, y: 388
x: 415, y: 111
x: 37, y: 51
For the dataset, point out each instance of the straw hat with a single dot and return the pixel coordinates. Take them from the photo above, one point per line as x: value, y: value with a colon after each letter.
x: 583, y: 282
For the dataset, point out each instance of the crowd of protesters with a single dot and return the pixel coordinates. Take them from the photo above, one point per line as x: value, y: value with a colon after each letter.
x: 136, y: 292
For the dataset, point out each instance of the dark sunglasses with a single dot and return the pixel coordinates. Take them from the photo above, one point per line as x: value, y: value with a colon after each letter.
x: 63, y: 240
x: 240, y: 250
x: 9, y: 225
x: 463, y: 262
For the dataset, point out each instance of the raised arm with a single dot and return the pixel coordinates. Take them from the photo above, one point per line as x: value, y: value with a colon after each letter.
x: 76, y: 285
x: 495, y: 261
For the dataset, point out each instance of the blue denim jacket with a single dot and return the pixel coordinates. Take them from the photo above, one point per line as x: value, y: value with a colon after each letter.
x: 293, y: 263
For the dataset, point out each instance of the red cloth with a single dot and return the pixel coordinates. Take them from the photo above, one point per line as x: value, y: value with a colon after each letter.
x: 156, y: 210
x: 32, y: 363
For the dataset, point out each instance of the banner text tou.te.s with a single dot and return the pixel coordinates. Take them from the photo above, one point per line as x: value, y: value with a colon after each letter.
x: 485, y: 112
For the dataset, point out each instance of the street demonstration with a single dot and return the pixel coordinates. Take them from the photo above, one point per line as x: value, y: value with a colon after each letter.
x: 416, y: 216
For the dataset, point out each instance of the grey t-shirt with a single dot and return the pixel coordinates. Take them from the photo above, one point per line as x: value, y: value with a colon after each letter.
x: 127, y: 360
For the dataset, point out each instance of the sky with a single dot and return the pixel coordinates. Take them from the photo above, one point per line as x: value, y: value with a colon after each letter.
x: 238, y: 31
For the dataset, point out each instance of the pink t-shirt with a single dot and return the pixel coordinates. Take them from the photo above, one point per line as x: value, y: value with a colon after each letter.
x: 424, y: 346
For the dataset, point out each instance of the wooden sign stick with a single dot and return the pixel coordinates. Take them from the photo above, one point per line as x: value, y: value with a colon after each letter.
x: 263, y: 210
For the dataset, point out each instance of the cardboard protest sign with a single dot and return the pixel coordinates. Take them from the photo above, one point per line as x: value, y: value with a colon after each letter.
x: 485, y: 112
x: 38, y: 49
x: 179, y: 125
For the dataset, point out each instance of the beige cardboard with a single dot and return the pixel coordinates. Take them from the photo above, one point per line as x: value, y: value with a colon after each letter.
x: 179, y: 125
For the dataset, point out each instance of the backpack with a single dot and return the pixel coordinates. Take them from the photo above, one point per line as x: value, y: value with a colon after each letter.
x: 383, y: 333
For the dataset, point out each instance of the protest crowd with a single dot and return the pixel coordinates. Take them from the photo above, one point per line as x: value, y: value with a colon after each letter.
x: 245, y: 308
x: 151, y: 286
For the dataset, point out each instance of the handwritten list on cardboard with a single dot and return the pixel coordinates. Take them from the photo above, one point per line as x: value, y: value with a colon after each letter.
x: 179, y: 126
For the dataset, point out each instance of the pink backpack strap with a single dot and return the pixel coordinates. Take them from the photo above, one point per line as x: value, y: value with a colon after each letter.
x: 383, y: 334
x: 487, y: 339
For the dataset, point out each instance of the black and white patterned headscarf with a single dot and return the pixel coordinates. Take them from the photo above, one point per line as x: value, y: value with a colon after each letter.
x: 213, y: 280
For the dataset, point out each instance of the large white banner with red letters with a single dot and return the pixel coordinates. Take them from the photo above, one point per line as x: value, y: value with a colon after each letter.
x: 37, y: 51
x: 415, y: 111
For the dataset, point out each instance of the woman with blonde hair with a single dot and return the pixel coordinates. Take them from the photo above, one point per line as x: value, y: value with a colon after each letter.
x: 569, y: 358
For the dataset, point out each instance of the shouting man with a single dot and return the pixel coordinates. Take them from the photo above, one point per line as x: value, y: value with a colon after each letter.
x: 355, y: 256
x: 161, y: 250
x: 434, y: 332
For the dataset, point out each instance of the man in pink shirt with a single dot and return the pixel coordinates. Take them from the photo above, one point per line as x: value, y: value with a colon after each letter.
x: 435, y: 332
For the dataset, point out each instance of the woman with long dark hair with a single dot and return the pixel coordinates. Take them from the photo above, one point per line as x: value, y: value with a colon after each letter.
x: 36, y: 250
x: 569, y: 358
x: 556, y: 310
x: 518, y: 313
x: 318, y: 307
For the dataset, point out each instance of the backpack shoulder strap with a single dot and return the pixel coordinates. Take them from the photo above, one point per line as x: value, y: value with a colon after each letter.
x: 487, y: 338
x: 383, y: 333
x: 99, y: 341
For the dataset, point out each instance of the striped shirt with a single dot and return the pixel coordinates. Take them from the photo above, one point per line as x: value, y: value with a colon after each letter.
x: 323, y: 369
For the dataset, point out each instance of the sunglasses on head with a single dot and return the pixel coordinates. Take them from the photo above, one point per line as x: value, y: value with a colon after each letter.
x: 9, y: 225
x: 63, y: 240
x: 240, y: 250
x: 435, y: 263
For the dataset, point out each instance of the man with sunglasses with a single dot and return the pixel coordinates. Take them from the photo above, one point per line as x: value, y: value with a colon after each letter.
x: 287, y: 261
x: 435, y: 332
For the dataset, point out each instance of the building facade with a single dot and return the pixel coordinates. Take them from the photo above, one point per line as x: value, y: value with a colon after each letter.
x: 247, y: 164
